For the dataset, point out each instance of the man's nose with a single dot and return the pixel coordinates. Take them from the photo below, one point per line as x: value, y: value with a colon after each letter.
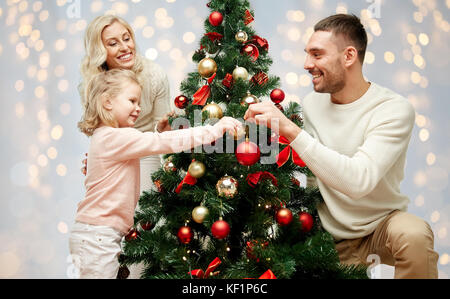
x: 308, y: 63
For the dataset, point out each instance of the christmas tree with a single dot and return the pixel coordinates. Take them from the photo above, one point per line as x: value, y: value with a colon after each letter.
x: 234, y: 209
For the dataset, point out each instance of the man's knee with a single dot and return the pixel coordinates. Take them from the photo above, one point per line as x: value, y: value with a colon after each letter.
x: 409, y: 229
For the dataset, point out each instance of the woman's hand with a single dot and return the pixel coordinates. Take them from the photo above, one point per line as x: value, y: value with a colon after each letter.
x: 229, y: 124
x: 163, y: 125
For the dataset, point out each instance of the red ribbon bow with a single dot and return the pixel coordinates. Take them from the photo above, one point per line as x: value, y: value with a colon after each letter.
x: 254, y: 178
x: 199, y: 272
x: 262, y: 42
x: 188, y: 179
x: 284, y: 155
x: 228, y: 80
x: 202, y: 95
x: 248, y: 18
x: 266, y: 275
x: 213, y: 36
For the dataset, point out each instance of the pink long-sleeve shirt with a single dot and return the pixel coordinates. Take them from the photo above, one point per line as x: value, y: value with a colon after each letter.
x: 112, y: 180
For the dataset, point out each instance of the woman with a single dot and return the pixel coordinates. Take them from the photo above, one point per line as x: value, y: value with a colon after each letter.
x: 110, y: 43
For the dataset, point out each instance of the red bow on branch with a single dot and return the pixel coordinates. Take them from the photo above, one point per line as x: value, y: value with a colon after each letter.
x: 213, y: 36
x: 201, y: 95
x: 188, y: 179
x: 199, y: 272
x: 248, y: 18
x: 284, y: 155
x: 254, y: 178
x: 266, y: 275
x: 261, y: 42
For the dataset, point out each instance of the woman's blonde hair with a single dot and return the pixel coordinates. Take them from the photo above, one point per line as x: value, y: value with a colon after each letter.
x: 94, y: 61
x: 104, y: 85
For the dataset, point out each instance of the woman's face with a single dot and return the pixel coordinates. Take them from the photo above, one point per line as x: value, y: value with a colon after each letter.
x: 119, y: 46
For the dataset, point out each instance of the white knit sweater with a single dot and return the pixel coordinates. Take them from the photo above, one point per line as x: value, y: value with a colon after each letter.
x: 357, y: 152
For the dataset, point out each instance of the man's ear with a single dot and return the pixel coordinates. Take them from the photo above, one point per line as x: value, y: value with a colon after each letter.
x: 350, y: 56
x: 106, y: 103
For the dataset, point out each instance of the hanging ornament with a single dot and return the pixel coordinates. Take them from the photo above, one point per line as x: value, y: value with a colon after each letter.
x: 247, y: 153
x: 168, y: 165
x: 147, y: 225
x: 241, y: 36
x: 220, y: 229
x: 240, y: 73
x: 248, y: 18
x: 215, y: 18
x: 277, y: 95
x: 197, y: 169
x: 260, y: 79
x: 283, y: 216
x: 199, y: 214
x: 251, y: 50
x: 159, y: 186
x: 306, y: 220
x: 227, y: 187
x: 133, y: 234
x: 228, y: 80
x: 207, y: 67
x: 203, y: 93
x: 181, y: 101
x: 214, y: 111
x: 248, y: 100
x: 261, y: 42
x: 185, y: 234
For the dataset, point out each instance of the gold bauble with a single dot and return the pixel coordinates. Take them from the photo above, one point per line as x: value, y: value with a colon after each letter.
x: 241, y: 36
x: 207, y: 67
x: 199, y: 213
x: 249, y: 99
x: 227, y: 186
x: 169, y: 166
x: 240, y: 73
x: 197, y: 169
x: 214, y: 111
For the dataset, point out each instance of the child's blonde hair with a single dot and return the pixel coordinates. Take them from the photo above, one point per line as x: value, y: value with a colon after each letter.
x: 105, y: 84
x: 95, y: 60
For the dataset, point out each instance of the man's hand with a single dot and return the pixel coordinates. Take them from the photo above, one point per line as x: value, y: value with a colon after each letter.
x: 163, y: 124
x: 268, y: 114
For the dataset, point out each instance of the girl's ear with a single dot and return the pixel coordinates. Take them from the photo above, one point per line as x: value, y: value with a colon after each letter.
x: 107, y: 103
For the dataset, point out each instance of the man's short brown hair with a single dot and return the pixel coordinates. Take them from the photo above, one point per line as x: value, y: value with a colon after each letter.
x: 350, y: 27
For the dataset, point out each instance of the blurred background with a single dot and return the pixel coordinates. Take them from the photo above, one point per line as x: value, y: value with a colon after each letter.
x: 41, y: 48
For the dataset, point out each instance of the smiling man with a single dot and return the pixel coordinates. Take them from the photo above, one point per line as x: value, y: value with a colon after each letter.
x: 355, y: 138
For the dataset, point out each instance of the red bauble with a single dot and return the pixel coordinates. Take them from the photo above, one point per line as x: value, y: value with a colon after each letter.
x: 185, y: 234
x: 247, y: 153
x: 181, y: 102
x: 132, y: 235
x: 147, y: 225
x: 251, y: 50
x: 215, y: 18
x: 283, y: 216
x: 220, y: 229
x: 277, y: 96
x: 306, y: 220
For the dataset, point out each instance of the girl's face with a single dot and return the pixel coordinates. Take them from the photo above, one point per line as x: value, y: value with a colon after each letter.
x: 125, y: 106
x: 119, y: 46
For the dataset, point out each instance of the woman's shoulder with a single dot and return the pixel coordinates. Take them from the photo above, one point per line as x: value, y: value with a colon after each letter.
x: 153, y: 69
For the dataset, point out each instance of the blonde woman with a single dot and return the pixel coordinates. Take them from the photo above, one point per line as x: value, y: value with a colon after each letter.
x: 110, y: 44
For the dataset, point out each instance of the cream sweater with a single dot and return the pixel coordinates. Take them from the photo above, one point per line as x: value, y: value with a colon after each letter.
x: 357, y: 152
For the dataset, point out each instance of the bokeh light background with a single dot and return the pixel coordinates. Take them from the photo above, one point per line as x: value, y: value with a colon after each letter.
x: 41, y: 47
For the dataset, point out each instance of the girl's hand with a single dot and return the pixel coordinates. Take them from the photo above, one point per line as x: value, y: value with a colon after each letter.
x: 229, y: 124
x: 84, y: 162
x: 163, y: 125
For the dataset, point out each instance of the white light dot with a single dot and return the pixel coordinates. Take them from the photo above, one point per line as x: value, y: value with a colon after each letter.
x: 57, y: 132
x: 189, y: 37
x: 151, y: 54
x: 291, y: 78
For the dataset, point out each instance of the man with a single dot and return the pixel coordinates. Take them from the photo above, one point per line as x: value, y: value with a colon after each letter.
x: 355, y: 139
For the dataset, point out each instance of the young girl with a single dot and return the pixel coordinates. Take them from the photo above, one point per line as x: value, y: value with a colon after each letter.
x: 112, y: 181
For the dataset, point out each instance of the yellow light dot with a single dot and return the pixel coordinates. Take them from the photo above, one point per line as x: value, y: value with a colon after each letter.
x: 389, y: 57
x: 189, y: 37
x: 20, y: 110
x: 44, y: 60
x: 148, y: 31
x: 61, y: 2
x: 42, y: 160
x: 444, y: 259
x: 63, y: 85
x: 369, y: 58
x: 57, y: 132
x: 62, y: 227
x: 411, y: 38
x: 420, y: 179
x: 421, y: 120
x: 37, y: 6
x: 423, y: 39
x: 140, y: 22
x: 294, y: 34
x: 19, y: 85
x: 419, y: 201
x: 121, y: 8
x: 435, y: 216
x: 415, y: 77
x: 52, y: 153
x: 43, y: 15
x: 39, y: 45
x: 25, y: 30
x: 39, y: 92
x: 424, y: 134
x: 42, y: 75
x: 61, y: 169
x: 423, y: 82
x: 33, y: 171
x: 305, y: 80
x: 418, y: 17
x: 416, y: 49
x: 431, y: 159
x: 419, y: 61
x: 291, y: 78
x: 60, y: 45
x: 442, y: 233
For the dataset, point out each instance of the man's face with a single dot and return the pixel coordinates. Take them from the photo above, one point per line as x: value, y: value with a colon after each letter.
x: 324, y: 62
